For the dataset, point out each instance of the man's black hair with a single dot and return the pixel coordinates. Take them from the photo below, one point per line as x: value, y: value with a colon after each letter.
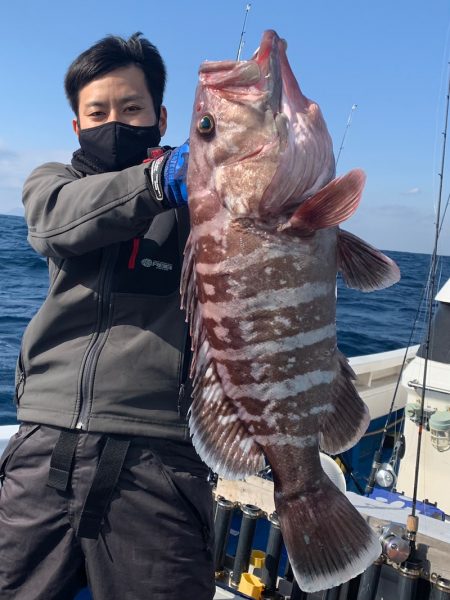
x: 113, y: 52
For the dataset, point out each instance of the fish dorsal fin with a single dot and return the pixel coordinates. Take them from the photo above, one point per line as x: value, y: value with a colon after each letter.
x: 331, y: 205
x: 220, y: 438
x: 363, y: 267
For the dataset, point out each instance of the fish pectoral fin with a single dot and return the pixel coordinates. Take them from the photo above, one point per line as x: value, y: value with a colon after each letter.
x: 344, y: 426
x: 331, y: 205
x: 328, y: 542
x: 363, y: 267
x: 220, y: 438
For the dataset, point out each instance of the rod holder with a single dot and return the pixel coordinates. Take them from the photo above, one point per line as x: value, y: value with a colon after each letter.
x: 273, y: 554
x: 441, y: 588
x: 222, y: 522
x: 368, y: 583
x: 250, y: 514
x: 333, y: 593
x: 344, y: 590
x: 297, y: 593
x: 408, y: 580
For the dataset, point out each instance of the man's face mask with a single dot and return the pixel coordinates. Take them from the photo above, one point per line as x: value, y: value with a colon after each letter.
x: 117, y: 145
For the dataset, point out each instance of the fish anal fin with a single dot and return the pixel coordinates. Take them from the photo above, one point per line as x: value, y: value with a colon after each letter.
x: 328, y: 542
x: 344, y: 426
x: 220, y: 438
x: 363, y: 267
x: 331, y: 205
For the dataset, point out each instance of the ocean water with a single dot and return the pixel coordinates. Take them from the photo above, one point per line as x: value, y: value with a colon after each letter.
x: 366, y: 323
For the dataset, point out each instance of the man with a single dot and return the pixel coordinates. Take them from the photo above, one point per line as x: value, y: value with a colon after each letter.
x: 102, y: 479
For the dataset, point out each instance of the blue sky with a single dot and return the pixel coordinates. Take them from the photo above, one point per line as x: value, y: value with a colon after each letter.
x: 388, y: 57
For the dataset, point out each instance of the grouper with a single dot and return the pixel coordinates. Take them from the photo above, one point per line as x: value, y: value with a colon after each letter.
x: 259, y: 288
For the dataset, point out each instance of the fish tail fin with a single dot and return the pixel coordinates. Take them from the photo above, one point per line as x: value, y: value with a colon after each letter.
x: 349, y: 418
x: 328, y: 542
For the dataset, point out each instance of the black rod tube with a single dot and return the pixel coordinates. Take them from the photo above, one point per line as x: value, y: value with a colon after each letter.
x: 408, y: 580
x: 368, y: 583
x: 222, y: 522
x: 297, y: 593
x: 441, y: 589
x: 353, y: 587
x: 343, y: 591
x: 244, y: 548
x: 439, y: 594
x: 333, y: 593
x: 273, y: 554
x: 288, y: 572
x: 407, y: 588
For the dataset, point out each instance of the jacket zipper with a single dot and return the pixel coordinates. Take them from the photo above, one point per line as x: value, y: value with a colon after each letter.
x: 96, y: 344
x: 20, y: 384
x: 183, y: 233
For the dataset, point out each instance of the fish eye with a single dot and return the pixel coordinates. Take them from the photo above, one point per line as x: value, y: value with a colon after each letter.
x: 206, y: 124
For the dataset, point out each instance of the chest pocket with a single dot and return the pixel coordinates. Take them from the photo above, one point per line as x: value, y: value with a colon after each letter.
x: 150, y: 264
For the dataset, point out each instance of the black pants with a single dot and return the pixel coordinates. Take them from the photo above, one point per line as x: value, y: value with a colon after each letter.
x: 155, y: 541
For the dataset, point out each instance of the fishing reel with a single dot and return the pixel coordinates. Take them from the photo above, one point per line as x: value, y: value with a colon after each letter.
x: 386, y: 476
x: 394, y: 544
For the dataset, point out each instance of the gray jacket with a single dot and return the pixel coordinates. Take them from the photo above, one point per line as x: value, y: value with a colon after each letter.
x: 106, y: 350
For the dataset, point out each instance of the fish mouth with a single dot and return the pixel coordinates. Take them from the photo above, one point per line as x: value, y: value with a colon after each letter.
x: 268, y: 49
x: 268, y: 57
x: 263, y: 71
x: 273, y: 62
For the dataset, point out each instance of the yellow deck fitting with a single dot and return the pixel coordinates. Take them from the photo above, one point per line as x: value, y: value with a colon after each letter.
x: 251, y: 586
x: 257, y: 559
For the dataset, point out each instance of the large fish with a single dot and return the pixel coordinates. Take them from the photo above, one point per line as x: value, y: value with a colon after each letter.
x: 259, y: 287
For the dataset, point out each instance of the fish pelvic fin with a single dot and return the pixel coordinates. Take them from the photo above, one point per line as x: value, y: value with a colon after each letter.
x: 349, y: 418
x: 220, y: 438
x: 328, y: 542
x: 363, y: 267
x: 331, y: 205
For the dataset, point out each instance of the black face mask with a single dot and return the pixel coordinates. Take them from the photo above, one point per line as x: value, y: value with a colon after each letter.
x: 117, y: 146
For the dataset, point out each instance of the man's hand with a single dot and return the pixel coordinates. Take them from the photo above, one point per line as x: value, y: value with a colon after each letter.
x: 167, y: 175
x: 175, y: 172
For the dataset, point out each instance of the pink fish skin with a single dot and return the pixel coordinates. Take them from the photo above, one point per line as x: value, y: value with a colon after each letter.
x: 259, y: 282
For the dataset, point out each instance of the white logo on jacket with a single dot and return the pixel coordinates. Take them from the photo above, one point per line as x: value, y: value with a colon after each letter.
x: 158, y: 264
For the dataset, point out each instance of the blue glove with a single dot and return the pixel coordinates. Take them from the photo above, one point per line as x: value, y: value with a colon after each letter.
x: 175, y: 172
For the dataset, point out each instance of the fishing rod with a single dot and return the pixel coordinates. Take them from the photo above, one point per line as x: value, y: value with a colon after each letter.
x: 412, y: 523
x: 347, y: 127
x: 376, y: 464
x: 428, y: 293
x: 241, y: 41
x: 444, y: 213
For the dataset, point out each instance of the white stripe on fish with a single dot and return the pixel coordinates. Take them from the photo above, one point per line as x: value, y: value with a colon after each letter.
x: 272, y: 347
x: 297, y: 441
x: 276, y: 299
x: 235, y: 263
x: 275, y: 390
